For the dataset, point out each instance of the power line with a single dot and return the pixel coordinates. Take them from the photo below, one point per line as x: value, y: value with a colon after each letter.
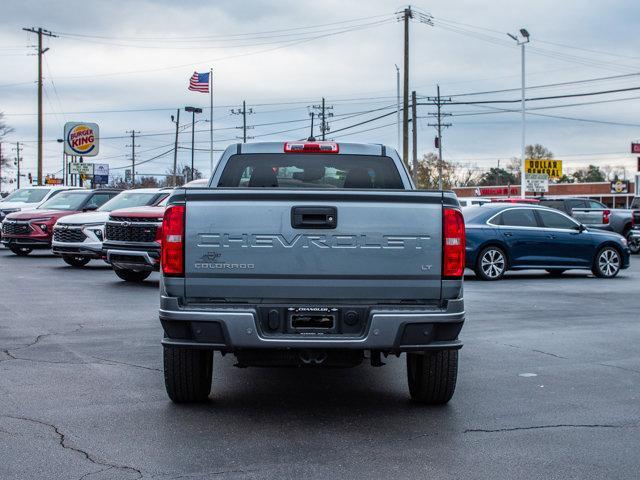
x: 173, y: 37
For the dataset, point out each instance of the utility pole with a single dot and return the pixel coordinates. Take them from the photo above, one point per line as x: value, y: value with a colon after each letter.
x: 174, y: 183
x: 439, y: 101
x: 40, y: 32
x: 323, y: 114
x: 0, y: 170
x: 311, y: 137
x: 243, y: 112
x: 405, y: 100
x: 18, y: 149
x: 133, y: 156
x: 414, y: 124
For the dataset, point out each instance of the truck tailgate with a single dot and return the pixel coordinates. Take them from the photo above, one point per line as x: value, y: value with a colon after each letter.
x: 246, y: 244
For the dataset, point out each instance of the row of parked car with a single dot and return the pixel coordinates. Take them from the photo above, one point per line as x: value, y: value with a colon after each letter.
x: 78, y: 225
x: 123, y: 229
x: 589, y: 212
x: 525, y: 236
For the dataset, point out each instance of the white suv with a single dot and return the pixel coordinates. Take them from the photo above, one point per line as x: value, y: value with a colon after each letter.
x: 78, y: 238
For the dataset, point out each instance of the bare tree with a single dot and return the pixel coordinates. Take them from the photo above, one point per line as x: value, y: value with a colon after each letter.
x: 538, y: 152
x: 4, y: 131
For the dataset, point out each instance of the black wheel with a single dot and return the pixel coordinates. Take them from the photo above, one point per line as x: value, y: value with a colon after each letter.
x: 633, y: 241
x: 607, y: 263
x: 131, y: 275
x: 491, y: 263
x: 556, y: 272
x: 20, y: 251
x: 76, y: 260
x: 432, y: 376
x: 187, y: 373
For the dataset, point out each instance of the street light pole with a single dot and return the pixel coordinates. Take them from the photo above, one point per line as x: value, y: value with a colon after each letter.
x: 193, y: 111
x: 398, y: 108
x: 525, y: 39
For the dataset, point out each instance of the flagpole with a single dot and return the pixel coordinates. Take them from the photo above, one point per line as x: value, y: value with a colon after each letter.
x: 211, y: 119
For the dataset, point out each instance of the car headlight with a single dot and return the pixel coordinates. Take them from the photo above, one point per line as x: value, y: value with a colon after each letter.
x: 96, y: 229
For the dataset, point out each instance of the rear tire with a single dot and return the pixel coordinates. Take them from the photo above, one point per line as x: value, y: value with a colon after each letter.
x: 187, y: 373
x: 607, y: 262
x: 76, y: 260
x: 555, y: 272
x: 20, y: 251
x: 491, y: 263
x: 131, y: 275
x: 432, y: 376
x: 634, y: 245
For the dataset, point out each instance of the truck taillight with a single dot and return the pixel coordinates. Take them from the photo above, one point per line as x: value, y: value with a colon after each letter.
x: 172, y: 243
x: 605, y: 216
x: 453, y: 244
x: 311, y: 147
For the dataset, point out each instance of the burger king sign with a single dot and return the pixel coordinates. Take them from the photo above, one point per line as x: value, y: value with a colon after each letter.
x: 81, y: 139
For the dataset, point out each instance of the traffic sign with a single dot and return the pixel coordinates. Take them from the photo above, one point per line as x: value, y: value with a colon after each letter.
x: 635, y: 148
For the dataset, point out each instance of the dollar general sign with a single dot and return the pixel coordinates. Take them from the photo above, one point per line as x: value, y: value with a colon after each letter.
x: 553, y: 168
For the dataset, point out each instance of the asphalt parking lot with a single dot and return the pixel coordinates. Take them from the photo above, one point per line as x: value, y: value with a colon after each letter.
x: 549, y: 387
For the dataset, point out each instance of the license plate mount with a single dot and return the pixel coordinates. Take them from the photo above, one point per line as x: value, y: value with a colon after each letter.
x: 313, y: 319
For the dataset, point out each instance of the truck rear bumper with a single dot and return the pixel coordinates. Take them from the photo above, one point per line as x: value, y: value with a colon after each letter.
x: 389, y: 330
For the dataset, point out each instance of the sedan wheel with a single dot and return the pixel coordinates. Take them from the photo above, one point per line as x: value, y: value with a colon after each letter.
x: 607, y: 264
x: 491, y: 264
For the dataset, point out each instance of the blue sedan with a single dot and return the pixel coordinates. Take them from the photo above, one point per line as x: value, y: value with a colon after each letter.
x: 503, y: 237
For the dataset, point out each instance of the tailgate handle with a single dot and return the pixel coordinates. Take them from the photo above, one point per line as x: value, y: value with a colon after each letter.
x: 314, y: 217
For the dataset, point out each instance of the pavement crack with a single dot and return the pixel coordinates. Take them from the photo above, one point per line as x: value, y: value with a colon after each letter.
x: 116, y: 362
x: 541, y: 427
x: 63, y: 442
x: 9, y: 351
x: 550, y: 354
x: 619, y: 368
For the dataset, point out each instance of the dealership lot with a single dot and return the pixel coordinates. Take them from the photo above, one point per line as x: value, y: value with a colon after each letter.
x: 549, y: 387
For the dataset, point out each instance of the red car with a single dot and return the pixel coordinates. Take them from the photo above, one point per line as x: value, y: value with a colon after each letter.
x: 27, y: 230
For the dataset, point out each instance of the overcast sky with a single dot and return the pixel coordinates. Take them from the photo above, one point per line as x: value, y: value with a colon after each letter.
x: 126, y: 65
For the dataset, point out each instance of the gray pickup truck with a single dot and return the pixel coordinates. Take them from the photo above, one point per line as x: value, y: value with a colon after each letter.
x: 311, y: 254
x: 597, y: 215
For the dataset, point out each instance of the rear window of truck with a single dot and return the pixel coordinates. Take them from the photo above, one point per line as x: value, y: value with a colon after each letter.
x: 310, y: 171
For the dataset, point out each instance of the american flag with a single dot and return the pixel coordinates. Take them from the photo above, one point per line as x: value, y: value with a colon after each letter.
x: 199, y: 82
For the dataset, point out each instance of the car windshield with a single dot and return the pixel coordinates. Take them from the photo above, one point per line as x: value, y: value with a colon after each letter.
x: 27, y: 195
x: 310, y: 171
x: 66, y: 201
x: 127, y: 200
